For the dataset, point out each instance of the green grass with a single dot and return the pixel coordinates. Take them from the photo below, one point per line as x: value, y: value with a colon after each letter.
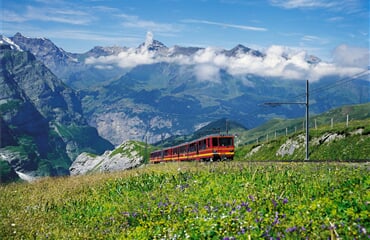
x: 279, y: 126
x: 194, y: 201
x: 129, y: 147
x: 353, y: 145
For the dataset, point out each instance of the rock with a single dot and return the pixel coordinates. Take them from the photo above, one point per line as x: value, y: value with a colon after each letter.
x: 128, y: 155
x: 254, y: 150
x: 327, y: 137
x: 290, y: 146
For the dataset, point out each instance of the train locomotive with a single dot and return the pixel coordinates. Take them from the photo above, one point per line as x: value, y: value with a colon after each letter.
x: 210, y: 148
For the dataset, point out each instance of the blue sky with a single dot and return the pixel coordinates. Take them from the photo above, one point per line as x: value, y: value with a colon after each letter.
x: 315, y: 26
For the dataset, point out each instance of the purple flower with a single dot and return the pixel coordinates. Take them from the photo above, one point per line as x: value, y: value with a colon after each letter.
x: 285, y: 201
x: 274, y: 202
x: 276, y: 219
x: 244, y: 204
x: 259, y: 220
x: 291, y: 229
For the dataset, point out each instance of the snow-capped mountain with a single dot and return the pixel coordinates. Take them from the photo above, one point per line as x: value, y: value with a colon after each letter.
x: 8, y: 43
x: 153, y: 45
x: 99, y: 51
x: 44, y: 49
x: 240, y: 49
x: 154, y: 90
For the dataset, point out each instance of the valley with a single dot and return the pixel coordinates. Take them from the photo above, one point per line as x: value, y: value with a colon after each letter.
x: 57, y: 105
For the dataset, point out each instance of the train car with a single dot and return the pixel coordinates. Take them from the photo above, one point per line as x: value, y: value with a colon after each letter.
x: 209, y: 148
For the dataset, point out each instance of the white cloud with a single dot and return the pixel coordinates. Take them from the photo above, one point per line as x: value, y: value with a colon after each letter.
x: 226, y: 25
x: 304, y: 3
x: 49, y: 14
x: 132, y: 21
x: 75, y: 17
x: 278, y: 61
x: 207, y: 72
x: 126, y: 59
x: 345, y: 55
x: 348, y: 6
x: 10, y: 16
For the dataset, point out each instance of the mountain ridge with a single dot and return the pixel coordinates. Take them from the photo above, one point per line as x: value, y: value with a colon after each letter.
x: 41, y: 118
x: 152, y: 90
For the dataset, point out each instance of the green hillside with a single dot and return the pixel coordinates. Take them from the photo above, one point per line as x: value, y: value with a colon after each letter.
x: 222, y: 126
x: 329, y: 139
x: 283, y: 126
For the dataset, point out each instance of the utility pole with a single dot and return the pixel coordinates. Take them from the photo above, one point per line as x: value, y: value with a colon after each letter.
x: 307, y: 121
x: 307, y: 115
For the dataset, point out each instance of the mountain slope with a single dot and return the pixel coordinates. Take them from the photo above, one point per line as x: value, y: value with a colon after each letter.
x: 42, y: 124
x: 154, y: 91
x: 327, y: 141
x: 339, y: 144
x: 287, y: 126
x: 70, y: 67
x: 221, y: 126
x: 167, y: 99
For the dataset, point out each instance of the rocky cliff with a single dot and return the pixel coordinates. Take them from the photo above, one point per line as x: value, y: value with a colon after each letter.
x: 128, y: 155
x: 42, y: 124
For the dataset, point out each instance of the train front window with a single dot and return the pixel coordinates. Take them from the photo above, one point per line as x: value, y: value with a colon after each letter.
x: 226, y: 141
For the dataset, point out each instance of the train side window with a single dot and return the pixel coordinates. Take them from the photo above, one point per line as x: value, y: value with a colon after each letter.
x: 214, y: 142
x: 226, y: 141
x: 182, y: 149
x: 202, y: 144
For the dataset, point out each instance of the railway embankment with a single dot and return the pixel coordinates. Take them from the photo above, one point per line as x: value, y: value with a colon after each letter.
x: 339, y: 143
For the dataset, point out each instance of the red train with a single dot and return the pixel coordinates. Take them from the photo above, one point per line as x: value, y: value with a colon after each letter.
x: 209, y: 148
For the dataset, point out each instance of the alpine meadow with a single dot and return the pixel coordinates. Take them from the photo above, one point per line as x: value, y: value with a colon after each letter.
x: 196, y: 119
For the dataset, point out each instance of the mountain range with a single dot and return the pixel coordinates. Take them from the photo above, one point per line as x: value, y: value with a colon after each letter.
x: 43, y: 128
x: 153, y: 92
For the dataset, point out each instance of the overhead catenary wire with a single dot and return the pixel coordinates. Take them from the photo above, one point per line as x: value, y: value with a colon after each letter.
x: 328, y: 87
x: 335, y: 84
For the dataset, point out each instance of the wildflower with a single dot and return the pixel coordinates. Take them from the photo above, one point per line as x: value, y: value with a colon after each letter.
x: 285, y: 201
x: 259, y: 220
x: 242, y: 231
x: 363, y: 230
x: 276, y: 219
x: 127, y: 214
x: 291, y: 229
x: 244, y: 204
x: 274, y: 202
